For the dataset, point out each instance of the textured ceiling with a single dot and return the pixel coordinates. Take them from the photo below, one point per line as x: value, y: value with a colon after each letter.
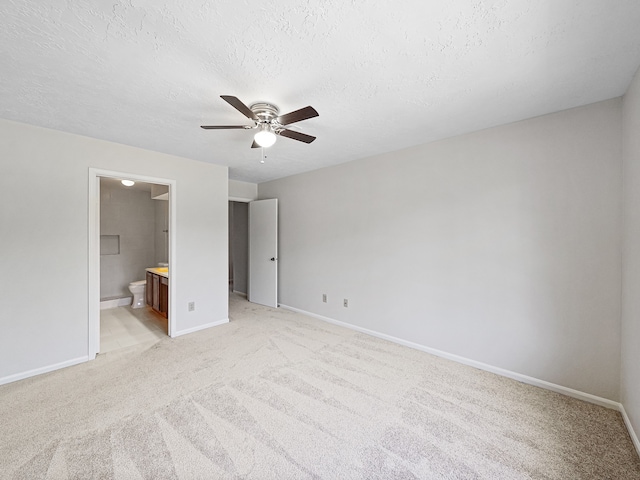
x: 383, y: 75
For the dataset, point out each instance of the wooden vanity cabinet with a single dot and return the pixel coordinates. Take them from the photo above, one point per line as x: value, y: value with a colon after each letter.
x: 164, y: 297
x: 157, y: 293
x: 148, y: 293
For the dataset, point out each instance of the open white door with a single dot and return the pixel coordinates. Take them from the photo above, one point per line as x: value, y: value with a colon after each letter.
x: 263, y: 252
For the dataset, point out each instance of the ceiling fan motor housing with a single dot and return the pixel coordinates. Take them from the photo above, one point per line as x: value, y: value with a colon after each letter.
x: 266, y: 112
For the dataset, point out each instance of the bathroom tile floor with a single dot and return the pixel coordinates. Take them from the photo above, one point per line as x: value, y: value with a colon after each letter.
x: 123, y: 327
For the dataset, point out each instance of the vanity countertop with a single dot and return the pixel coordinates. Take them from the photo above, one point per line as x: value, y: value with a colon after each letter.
x: 162, y: 271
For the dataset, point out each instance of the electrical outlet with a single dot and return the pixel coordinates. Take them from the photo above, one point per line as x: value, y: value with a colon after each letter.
x: 324, y: 297
x: 192, y: 306
x: 346, y: 302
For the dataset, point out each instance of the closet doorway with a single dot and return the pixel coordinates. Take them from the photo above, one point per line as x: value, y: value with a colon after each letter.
x: 238, y: 247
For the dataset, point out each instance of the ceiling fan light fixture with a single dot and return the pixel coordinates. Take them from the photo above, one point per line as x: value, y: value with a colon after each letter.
x: 265, y: 138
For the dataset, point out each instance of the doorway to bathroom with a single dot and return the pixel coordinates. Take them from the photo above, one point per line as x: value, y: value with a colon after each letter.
x: 131, y: 243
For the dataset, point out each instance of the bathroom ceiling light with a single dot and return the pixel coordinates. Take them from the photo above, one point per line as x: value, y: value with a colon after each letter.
x: 128, y: 183
x: 265, y: 137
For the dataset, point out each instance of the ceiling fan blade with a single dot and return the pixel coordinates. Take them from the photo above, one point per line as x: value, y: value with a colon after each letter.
x: 224, y: 127
x: 301, y: 137
x: 255, y: 145
x: 241, y: 107
x: 297, y: 116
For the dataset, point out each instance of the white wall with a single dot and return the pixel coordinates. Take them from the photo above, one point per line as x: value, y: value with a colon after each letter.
x: 129, y: 214
x: 44, y: 240
x: 242, y: 191
x: 161, y: 231
x: 501, y: 246
x: 630, y: 373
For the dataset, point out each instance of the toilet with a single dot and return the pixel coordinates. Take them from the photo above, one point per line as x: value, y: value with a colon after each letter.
x: 137, y: 288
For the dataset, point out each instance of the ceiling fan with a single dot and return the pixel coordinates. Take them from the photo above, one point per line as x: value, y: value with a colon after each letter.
x: 267, y: 119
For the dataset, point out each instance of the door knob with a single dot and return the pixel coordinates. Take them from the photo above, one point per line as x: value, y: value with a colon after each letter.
x: 273, y: 259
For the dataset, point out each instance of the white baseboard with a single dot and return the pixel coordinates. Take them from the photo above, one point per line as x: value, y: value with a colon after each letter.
x: 632, y: 433
x: 587, y: 397
x: 41, y: 370
x: 199, y: 327
x: 240, y: 293
x: 115, y: 302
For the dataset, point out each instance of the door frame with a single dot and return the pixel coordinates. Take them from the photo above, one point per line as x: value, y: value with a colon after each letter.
x: 93, y: 340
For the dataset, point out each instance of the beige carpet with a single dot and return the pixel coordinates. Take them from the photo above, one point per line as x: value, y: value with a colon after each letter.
x: 276, y: 395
